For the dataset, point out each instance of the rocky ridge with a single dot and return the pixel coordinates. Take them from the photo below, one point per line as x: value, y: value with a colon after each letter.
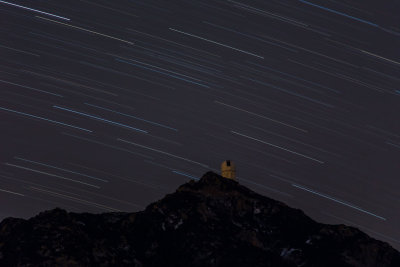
x: 211, y: 222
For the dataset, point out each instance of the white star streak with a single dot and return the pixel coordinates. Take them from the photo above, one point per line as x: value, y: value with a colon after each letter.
x: 61, y: 169
x: 50, y: 174
x: 86, y: 30
x: 338, y: 201
x: 224, y: 45
x: 162, y: 152
x: 40, y: 118
x: 383, y: 58
x: 34, y: 10
x: 261, y: 116
x: 101, y: 119
x: 285, y: 149
x: 10, y: 192
x: 82, y: 201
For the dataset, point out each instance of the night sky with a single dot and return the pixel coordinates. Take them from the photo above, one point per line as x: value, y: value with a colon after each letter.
x: 110, y: 105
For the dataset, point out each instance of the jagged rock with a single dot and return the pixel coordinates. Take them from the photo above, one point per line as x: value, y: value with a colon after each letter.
x: 211, y: 222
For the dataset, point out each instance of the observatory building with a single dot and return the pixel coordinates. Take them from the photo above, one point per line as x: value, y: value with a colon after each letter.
x: 228, y: 169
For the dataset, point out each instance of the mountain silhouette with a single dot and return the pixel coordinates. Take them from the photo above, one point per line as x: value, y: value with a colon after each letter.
x: 211, y: 222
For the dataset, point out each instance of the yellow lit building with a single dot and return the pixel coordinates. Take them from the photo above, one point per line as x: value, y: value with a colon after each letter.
x: 228, y: 169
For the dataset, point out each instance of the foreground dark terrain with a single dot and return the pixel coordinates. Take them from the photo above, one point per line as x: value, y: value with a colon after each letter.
x: 212, y: 222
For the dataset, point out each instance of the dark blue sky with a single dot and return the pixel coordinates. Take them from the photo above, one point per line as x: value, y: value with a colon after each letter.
x: 110, y: 105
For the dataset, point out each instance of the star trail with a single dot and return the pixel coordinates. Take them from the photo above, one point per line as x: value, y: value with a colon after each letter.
x: 110, y: 105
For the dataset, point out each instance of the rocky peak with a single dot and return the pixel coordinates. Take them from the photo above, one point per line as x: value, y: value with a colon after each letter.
x: 211, y: 222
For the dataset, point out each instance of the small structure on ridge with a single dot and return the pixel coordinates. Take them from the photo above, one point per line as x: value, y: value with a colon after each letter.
x: 228, y: 169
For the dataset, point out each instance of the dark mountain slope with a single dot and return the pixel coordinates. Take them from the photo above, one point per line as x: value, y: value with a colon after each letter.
x: 212, y: 222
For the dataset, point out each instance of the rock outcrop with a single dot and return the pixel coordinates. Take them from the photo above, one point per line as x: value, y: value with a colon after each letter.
x: 211, y: 222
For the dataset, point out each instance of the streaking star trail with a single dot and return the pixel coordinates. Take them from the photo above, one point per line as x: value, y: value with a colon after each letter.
x: 110, y: 105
